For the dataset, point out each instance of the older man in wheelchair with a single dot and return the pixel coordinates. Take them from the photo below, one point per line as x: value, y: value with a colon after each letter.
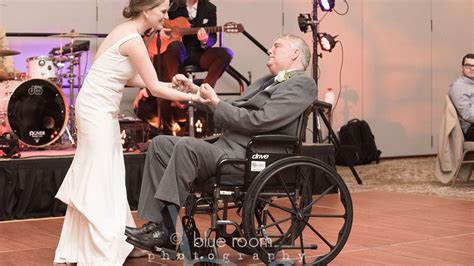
x: 255, y: 166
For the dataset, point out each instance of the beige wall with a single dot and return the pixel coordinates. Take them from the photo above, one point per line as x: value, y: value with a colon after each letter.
x: 396, y: 70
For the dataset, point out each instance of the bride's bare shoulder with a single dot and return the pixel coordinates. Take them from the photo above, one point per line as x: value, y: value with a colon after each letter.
x: 115, y: 35
x: 121, y: 31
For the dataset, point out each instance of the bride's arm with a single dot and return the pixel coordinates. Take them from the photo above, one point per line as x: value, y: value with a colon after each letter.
x: 137, y: 81
x: 136, y: 51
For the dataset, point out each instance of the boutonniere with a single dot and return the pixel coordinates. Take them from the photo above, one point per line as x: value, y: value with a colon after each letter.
x: 284, y: 75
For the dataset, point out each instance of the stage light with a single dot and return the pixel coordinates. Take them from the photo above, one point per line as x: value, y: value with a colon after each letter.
x: 327, y: 42
x: 327, y: 5
x: 304, y: 22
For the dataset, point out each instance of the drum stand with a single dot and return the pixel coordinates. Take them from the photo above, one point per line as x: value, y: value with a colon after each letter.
x: 74, y: 59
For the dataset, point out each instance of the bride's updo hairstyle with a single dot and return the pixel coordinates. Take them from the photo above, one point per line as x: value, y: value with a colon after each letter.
x: 135, y: 7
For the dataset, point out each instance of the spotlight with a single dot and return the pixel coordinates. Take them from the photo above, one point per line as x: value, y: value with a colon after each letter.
x: 327, y: 5
x: 327, y: 42
x: 304, y: 22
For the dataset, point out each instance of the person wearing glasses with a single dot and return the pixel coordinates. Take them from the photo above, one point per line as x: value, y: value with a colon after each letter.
x: 461, y: 93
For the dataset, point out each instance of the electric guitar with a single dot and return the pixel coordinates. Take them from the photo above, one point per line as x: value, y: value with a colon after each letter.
x: 180, y: 26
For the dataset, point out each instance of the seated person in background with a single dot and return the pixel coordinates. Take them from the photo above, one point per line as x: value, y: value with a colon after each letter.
x: 7, y: 70
x: 191, y: 50
x: 461, y: 93
x: 270, y: 105
x: 196, y: 49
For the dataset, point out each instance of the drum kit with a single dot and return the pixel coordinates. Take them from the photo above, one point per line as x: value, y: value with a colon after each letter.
x: 33, y: 105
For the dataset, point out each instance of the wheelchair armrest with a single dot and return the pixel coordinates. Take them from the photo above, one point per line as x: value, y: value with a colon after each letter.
x: 223, y: 162
x: 321, y: 104
x: 266, y: 138
x: 277, y: 139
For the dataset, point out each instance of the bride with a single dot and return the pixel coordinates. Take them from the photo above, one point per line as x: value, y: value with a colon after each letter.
x: 94, y: 187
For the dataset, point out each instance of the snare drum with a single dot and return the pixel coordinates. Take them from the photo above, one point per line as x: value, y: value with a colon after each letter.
x: 41, y: 67
x: 36, y: 110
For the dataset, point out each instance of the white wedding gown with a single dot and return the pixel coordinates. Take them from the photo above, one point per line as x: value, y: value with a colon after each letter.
x: 94, y: 187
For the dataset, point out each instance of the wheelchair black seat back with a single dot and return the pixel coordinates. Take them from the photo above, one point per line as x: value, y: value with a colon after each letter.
x: 279, y: 217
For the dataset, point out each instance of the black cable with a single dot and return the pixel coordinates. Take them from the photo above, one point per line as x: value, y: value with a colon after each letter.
x: 321, y: 20
x: 340, y: 78
x: 318, y: 73
x: 345, y: 12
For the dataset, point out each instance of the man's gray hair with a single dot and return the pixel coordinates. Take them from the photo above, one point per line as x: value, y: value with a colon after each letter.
x: 302, y: 46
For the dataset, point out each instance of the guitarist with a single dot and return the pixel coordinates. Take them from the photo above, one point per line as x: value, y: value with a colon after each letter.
x: 191, y: 50
x: 197, y: 49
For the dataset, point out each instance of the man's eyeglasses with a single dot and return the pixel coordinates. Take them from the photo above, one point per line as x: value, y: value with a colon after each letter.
x: 468, y: 66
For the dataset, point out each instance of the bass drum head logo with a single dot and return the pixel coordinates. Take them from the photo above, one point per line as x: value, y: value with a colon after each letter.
x: 35, y: 90
x: 37, y: 135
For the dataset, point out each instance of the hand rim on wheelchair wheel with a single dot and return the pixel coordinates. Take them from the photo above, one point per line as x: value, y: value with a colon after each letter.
x: 298, y: 223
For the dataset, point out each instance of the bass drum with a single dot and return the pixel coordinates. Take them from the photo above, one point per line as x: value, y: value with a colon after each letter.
x: 36, y: 110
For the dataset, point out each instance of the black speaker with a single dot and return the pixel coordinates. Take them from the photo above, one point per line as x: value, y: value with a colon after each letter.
x: 325, y: 153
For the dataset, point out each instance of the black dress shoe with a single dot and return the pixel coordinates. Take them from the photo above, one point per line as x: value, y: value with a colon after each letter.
x: 159, y: 238
x: 145, y: 229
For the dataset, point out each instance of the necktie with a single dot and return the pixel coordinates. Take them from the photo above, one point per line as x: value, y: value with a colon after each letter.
x: 267, y: 83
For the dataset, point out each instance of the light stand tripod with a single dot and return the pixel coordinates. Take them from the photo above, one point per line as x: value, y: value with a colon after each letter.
x: 317, y: 136
x: 322, y: 108
x: 305, y: 21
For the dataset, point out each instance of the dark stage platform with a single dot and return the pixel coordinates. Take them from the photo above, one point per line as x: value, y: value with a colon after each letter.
x: 28, y: 184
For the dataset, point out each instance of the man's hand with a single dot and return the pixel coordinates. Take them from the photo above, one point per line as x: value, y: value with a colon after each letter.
x: 182, y: 83
x: 208, y: 93
x: 141, y: 94
x: 198, y: 98
x: 202, y: 37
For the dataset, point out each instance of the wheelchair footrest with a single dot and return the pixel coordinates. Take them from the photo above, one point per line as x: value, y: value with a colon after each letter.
x: 311, y: 246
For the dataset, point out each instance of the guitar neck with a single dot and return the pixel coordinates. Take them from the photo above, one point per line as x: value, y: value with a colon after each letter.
x: 192, y: 31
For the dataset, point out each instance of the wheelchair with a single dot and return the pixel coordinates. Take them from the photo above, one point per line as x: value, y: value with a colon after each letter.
x: 280, y: 217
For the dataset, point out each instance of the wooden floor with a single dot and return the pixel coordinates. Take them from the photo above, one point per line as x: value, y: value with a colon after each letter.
x: 389, y: 228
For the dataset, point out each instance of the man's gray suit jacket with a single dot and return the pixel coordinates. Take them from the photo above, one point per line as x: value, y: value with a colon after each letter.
x: 274, y: 110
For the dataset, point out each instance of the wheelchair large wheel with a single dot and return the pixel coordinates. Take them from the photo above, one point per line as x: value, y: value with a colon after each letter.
x: 263, y: 216
x: 304, y: 230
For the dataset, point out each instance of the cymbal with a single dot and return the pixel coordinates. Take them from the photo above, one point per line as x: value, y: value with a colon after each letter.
x: 8, y: 52
x: 72, y: 34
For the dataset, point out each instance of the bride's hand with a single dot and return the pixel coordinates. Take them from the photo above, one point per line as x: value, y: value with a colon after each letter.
x: 182, y: 83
